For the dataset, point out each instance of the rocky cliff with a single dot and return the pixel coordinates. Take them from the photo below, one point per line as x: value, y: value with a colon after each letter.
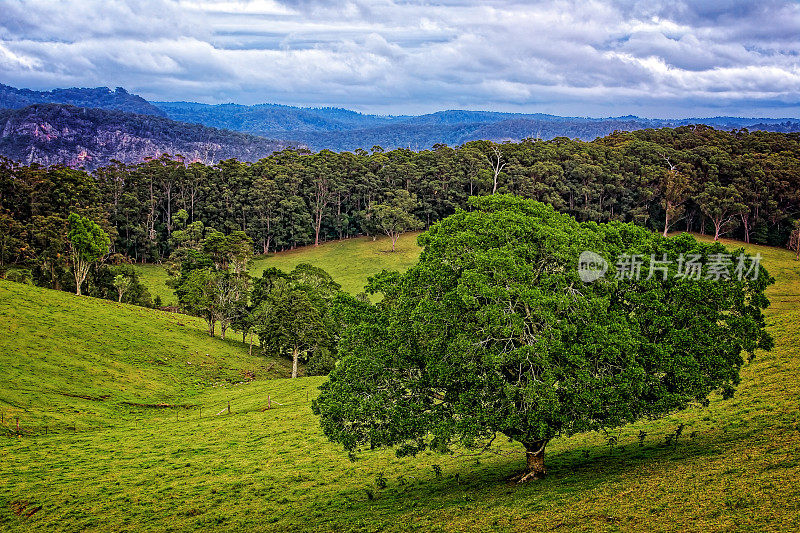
x: 52, y: 134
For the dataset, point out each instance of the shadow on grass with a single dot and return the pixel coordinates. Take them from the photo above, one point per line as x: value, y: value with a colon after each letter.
x: 570, y: 471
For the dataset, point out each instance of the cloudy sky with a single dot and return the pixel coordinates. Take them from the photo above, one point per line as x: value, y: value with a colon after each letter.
x: 597, y: 58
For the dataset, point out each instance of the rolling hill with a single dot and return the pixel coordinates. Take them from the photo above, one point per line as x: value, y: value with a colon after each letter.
x: 69, y: 360
x: 735, y: 467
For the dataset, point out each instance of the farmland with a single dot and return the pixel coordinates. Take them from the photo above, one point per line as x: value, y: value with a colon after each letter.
x: 76, y: 365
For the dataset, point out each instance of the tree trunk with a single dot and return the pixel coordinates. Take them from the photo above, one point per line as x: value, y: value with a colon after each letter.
x: 534, y: 462
x: 295, y: 357
x: 80, y: 270
x: 746, y: 224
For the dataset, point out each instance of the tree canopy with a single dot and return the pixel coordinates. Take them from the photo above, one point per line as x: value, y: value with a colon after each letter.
x: 493, y: 332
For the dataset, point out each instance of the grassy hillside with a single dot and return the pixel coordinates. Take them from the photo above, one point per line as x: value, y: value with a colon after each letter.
x: 70, y: 360
x: 735, y: 468
x: 350, y: 262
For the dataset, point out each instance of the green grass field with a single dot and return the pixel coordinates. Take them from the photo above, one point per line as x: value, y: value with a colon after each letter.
x: 350, y: 262
x: 69, y: 360
x: 735, y: 468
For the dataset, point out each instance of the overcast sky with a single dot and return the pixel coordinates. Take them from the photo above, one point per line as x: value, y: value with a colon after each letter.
x: 602, y: 58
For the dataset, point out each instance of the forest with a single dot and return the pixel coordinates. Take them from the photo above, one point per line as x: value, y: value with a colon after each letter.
x: 740, y: 184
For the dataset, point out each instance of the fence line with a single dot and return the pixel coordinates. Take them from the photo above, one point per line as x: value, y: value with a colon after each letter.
x: 19, y: 428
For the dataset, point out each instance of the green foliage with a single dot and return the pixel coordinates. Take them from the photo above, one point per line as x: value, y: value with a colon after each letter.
x: 292, y: 315
x: 314, y: 280
x: 18, y: 275
x: 493, y: 332
x: 121, y: 283
x: 105, y: 281
x: 88, y: 243
x: 288, y: 321
x: 321, y: 362
x: 13, y: 237
x: 210, y: 276
x: 87, y: 240
x: 394, y: 217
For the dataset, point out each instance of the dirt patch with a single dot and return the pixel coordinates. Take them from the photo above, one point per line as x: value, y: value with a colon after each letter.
x: 160, y: 405
x: 24, y: 508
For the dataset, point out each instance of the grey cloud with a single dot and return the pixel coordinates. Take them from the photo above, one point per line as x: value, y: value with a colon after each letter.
x: 567, y: 57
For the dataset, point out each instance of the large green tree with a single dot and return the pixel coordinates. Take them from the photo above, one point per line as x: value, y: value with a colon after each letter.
x: 494, y: 332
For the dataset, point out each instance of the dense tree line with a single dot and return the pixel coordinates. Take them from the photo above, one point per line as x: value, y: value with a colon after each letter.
x: 739, y: 184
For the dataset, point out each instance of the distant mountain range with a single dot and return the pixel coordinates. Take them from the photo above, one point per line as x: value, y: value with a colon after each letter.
x: 341, y: 129
x: 100, y: 97
x: 50, y: 134
x: 130, y: 128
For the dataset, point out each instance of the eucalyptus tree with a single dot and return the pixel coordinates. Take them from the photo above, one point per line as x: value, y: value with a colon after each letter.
x: 394, y: 216
x: 88, y: 243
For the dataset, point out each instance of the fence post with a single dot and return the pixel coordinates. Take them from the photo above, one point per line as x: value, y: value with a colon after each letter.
x: 229, y: 407
x: 17, y: 424
x: 269, y: 401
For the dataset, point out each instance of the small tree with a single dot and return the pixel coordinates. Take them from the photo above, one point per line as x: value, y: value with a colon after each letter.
x: 394, y: 216
x: 199, y: 294
x: 88, y: 243
x: 121, y: 283
x: 674, y: 192
x: 288, y: 320
x: 494, y: 332
x: 721, y: 204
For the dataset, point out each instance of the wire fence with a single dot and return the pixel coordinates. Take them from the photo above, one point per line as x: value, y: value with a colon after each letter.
x: 16, y: 425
